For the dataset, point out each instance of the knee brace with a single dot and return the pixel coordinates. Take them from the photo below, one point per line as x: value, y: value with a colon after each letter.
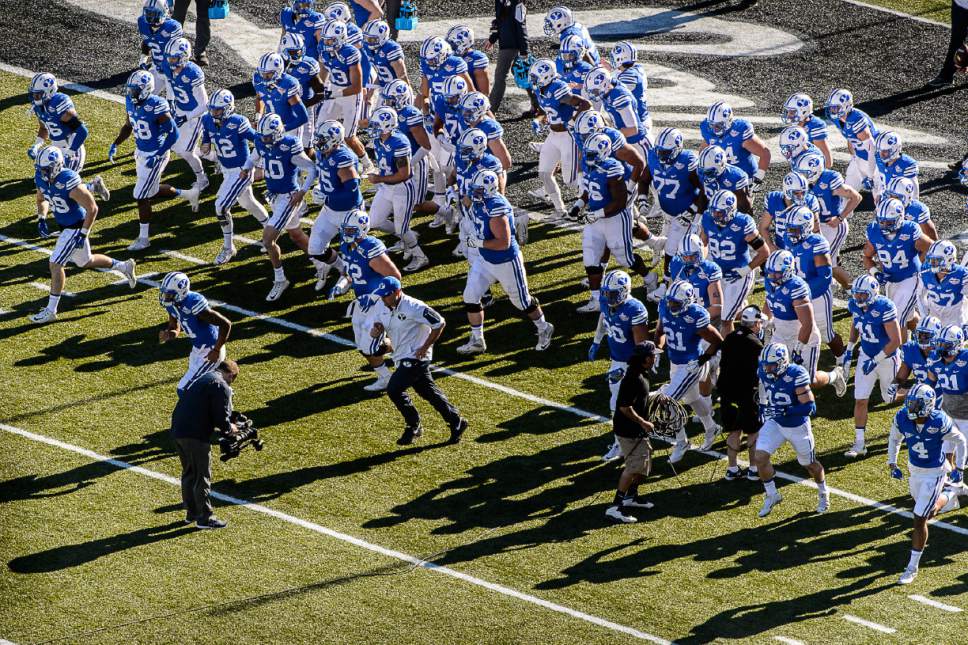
x: 595, y: 269
x: 531, y: 308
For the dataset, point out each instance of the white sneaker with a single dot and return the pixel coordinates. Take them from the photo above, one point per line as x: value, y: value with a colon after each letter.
x: 322, y: 274
x: 127, y: 268
x: 192, y: 196
x: 615, y: 514
x: 658, y: 294
x: 277, y: 288
x: 396, y: 248
x: 858, y: 450
x: 201, y: 184
x: 823, y: 502
x: 378, y: 385
x: 45, y: 315
x: 584, y: 282
x: 908, y: 576
x: 438, y: 221
x: 614, y: 452
x: 451, y: 223
x: 544, y: 337
x: 590, y: 307
x: 769, y: 503
x: 458, y: 251
x: 139, y: 244
x: 225, y: 254
x: 473, y: 346
x: 419, y: 261
x: 679, y: 451
x: 710, y: 437
x: 540, y: 194
x: 839, y: 382
x: 100, y: 189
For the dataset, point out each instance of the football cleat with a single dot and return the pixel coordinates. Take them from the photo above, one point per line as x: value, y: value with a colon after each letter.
x: 615, y: 514
x: 769, y: 503
x: 473, y: 346
x: 277, y: 288
x: 45, y: 315
x: 910, y: 573
x: 224, y: 255
x: 127, y: 269
x: 457, y: 431
x: 857, y: 450
x: 191, y: 196
x: 839, y: 382
x: 679, y: 451
x: 201, y: 184
x: 100, y: 189
x: 710, y: 437
x: 637, y: 502
x: 752, y: 475
x: 590, y: 307
x: 378, y: 385
x: 419, y: 261
x: 139, y: 244
x: 544, y: 337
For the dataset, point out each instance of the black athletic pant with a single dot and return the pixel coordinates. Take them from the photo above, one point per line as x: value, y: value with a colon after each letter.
x: 203, y: 32
x: 196, y: 478
x: 416, y: 374
x: 959, y: 31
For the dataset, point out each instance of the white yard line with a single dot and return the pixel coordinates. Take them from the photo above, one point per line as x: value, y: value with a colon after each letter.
x: 900, y: 14
x: 183, y: 257
x: 869, y: 624
x: 788, y: 641
x: 124, y: 280
x: 344, y: 537
x: 40, y: 286
x: 924, y: 600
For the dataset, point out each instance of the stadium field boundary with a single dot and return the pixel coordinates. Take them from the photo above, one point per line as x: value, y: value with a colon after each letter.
x: 899, y: 14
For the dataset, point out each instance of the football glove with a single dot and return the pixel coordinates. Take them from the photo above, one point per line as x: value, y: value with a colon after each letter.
x: 180, y: 120
x: 342, y: 286
x: 868, y: 184
x: 847, y: 357
x: 896, y: 472
x: 757, y: 184
x: 538, y: 127
x: 34, y: 149
x: 42, y: 229
x: 152, y: 161
x: 145, y: 62
x: 593, y: 351
x: 796, y: 354
x: 869, y: 366
x: 112, y: 152
x: 575, y: 211
x: 955, y: 476
x: 891, y: 392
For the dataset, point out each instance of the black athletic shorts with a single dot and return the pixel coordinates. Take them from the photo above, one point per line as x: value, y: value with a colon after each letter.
x: 739, y: 414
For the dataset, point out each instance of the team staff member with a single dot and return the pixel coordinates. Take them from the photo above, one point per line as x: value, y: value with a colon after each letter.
x: 631, y: 429
x: 204, y: 407
x: 203, y: 31
x: 509, y: 31
x: 959, y: 36
x: 738, y: 388
x: 413, y: 327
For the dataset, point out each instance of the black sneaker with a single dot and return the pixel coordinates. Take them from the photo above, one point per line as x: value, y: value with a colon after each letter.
x: 211, y: 523
x: 732, y: 475
x: 189, y: 518
x: 752, y: 475
x: 202, y: 59
x: 458, y: 430
x: 409, y: 434
x: 940, y: 81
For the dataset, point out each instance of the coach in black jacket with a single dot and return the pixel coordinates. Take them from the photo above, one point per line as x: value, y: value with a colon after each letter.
x: 509, y: 30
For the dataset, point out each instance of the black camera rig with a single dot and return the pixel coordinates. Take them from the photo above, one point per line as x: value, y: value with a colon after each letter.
x: 232, y: 444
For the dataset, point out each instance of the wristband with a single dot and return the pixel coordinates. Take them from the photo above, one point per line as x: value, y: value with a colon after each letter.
x: 759, y: 174
x: 85, y: 231
x: 693, y: 209
x: 880, y: 357
x: 873, y: 271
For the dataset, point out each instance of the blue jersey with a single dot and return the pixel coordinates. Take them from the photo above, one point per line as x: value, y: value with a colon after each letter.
x: 382, y: 58
x: 575, y: 74
x: 304, y: 71
x: 780, y: 298
x: 409, y: 119
x: 856, y: 123
x: 634, y: 79
x: 733, y: 179
x: 230, y: 140
x: 186, y: 312
x: 618, y: 142
x: 870, y: 323
x: 50, y: 115
x: 475, y: 59
x: 276, y: 97
x: 360, y: 13
x: 805, y: 253
x: 916, y: 360
x: 775, y: 204
x: 950, y: 378
x: 732, y: 141
x: 596, y: 180
x: 496, y: 206
x: 491, y: 128
x: 466, y: 171
x: 621, y: 106
x: 816, y: 129
x: 831, y: 204
x: 67, y: 212
x: 682, y: 331
x: 143, y: 117
x: 341, y: 196
x: 917, y: 212
x: 436, y: 77
x: 183, y: 86
x: 699, y: 276
x: 898, y: 255
x: 449, y: 115
x: 949, y: 292
x: 672, y: 182
x: 390, y: 152
x: 580, y: 30
x: 550, y: 99
x: 338, y: 65
x: 727, y: 244
x: 157, y: 39
x: 306, y: 27
x: 358, y: 258
x: 781, y: 392
x: 619, y: 322
x: 903, y: 166
x: 277, y: 160
x: 925, y: 443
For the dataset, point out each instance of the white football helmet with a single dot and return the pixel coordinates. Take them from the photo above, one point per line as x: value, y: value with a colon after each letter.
x: 435, y: 51
x: 597, y: 83
x: 712, y: 162
x: 557, y: 20
x: 454, y: 89
x: 460, y: 38
x: 920, y: 401
x: 384, y: 120
x: 271, y: 129
x: 354, y: 226
x: 50, y: 162
x: 902, y: 189
x: 668, y: 145
x: 178, y: 51
x: 474, y: 106
x: 623, y: 53
x: 221, y: 105
x: 941, y: 256
x: 376, y: 33
x: 889, y: 215
x: 888, y: 146
x: 839, y: 104
x: 864, y: 289
x: 616, y: 287
x: 722, y: 207
x: 271, y: 68
x: 397, y: 94
x: 793, y: 141
x: 811, y: 166
x: 173, y: 288
x: 795, y: 188
x: 797, y: 109
x: 572, y: 50
x: 338, y: 11
x: 42, y: 87
x: 720, y: 117
x: 334, y: 35
x: 679, y: 296
x: 780, y: 266
x: 140, y: 85
x: 588, y: 123
x: 472, y: 144
x: 691, y: 250
x: 926, y: 332
x: 799, y: 224
x: 542, y: 72
x: 950, y: 340
x: 484, y: 185
x: 292, y: 47
x: 597, y: 148
x: 774, y: 360
x: 329, y: 136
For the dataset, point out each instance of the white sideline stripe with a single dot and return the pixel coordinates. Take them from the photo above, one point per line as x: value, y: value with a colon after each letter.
x: 183, y: 257
x: 343, y: 537
x: 788, y: 641
x: 901, y: 14
x: 339, y: 340
x: 40, y: 286
x: 871, y: 625
x: 4, y: 641
x: 247, y: 240
x: 124, y: 280
x: 74, y: 87
x: 924, y: 600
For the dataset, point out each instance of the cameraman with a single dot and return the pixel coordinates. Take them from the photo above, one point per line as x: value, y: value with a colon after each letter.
x: 204, y: 407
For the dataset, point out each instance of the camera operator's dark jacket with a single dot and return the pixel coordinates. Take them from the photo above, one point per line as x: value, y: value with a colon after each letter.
x: 509, y: 26
x: 203, y: 408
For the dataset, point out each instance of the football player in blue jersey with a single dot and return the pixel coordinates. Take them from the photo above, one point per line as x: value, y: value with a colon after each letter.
x: 339, y: 189
x: 917, y: 355
x: 737, y: 248
x: 399, y: 95
x: 367, y: 263
x: 186, y: 86
x: 608, y: 217
x: 461, y: 40
x: 837, y: 203
x: 798, y: 111
x: 630, y: 73
x: 860, y: 132
x: 892, y: 162
x: 189, y: 312
x: 915, y: 210
x: 736, y: 136
x: 948, y: 375
x: 386, y: 56
x: 472, y: 158
x: 301, y: 18
x: 276, y: 92
x: 786, y: 408
x: 943, y: 285
x: 340, y: 12
x: 702, y: 273
x: 617, y: 101
x: 812, y: 255
x: 559, y: 22
x: 281, y: 156
x: 570, y: 62
x: 475, y: 110
x: 500, y: 261
x: 157, y: 28
x: 927, y: 431
x: 625, y: 322
x: 718, y: 174
x: 229, y: 136
x: 686, y: 334
x: 305, y: 70
x: 558, y: 106
x: 446, y: 128
x: 61, y: 189
x: 341, y: 68
x: 892, y: 255
x: 149, y: 118
x: 794, y: 143
x: 875, y: 326
x: 778, y: 205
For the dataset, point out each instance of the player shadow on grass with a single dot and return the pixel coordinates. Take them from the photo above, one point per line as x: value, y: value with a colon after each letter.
x: 31, y: 487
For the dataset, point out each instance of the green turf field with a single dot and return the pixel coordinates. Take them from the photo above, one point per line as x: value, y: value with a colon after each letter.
x: 97, y: 554
x: 938, y: 10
